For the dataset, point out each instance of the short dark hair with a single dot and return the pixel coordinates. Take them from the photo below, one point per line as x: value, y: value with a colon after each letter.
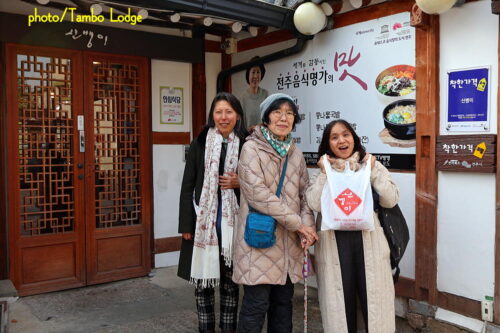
x: 324, y: 146
x: 276, y: 105
x: 262, y: 70
x: 240, y: 128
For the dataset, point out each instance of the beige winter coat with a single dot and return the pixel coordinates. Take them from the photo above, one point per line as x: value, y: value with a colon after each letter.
x: 379, y: 284
x: 259, y: 171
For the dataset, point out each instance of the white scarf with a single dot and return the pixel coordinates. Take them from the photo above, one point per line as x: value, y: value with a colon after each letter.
x: 205, y: 271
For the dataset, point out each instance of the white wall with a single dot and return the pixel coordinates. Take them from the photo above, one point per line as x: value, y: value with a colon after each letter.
x: 168, y: 163
x: 168, y: 167
x: 466, y: 202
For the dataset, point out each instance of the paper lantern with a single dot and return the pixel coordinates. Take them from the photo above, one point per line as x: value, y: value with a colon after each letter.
x: 309, y: 18
x: 435, y: 6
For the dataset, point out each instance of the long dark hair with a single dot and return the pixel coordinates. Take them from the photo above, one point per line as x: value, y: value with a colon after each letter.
x: 240, y: 128
x: 324, y: 146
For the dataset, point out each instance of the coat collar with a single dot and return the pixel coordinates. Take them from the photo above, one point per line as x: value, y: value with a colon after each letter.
x: 261, y: 141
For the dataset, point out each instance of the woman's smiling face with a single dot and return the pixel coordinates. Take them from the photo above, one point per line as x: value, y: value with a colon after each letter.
x: 341, y: 141
x: 255, y: 76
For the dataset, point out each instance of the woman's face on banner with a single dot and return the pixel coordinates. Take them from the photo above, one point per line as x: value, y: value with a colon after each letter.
x: 225, y: 117
x: 254, y: 76
x: 341, y: 141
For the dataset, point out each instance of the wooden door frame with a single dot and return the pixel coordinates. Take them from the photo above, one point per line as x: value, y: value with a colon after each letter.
x: 12, y: 167
x: 145, y: 167
x: 3, y: 168
x: 496, y: 311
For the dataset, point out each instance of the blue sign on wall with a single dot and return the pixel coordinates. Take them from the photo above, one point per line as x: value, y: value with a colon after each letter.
x: 468, y: 100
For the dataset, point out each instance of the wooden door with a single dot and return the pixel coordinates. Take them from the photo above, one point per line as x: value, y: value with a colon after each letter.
x: 78, y: 164
x: 118, y: 164
x: 45, y: 185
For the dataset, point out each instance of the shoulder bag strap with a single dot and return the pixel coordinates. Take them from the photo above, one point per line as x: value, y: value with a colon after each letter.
x: 282, y: 178
x: 280, y: 185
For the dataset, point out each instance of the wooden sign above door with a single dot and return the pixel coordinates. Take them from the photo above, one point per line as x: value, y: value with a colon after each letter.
x: 466, y: 153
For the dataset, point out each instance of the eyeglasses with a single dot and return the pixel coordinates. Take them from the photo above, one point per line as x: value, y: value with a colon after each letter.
x: 278, y: 114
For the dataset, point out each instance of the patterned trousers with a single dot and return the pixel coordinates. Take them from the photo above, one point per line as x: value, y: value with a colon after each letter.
x: 229, y: 296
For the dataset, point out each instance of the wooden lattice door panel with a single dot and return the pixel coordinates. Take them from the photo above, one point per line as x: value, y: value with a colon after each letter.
x: 116, y: 129
x: 45, y: 194
x: 117, y: 115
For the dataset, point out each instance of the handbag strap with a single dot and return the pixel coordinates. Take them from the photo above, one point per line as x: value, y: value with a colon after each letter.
x: 280, y: 185
x: 282, y: 178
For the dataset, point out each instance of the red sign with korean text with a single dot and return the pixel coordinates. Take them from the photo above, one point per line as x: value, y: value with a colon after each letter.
x: 348, y: 201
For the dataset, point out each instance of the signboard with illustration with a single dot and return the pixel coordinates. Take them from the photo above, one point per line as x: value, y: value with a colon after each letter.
x: 363, y: 73
x: 172, y: 106
x: 466, y: 153
x: 468, y: 100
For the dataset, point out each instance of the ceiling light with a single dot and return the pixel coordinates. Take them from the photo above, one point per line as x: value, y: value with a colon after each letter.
x: 435, y: 6
x: 332, y: 7
x: 207, y: 21
x: 309, y: 18
x: 236, y: 27
x: 43, y: 2
x: 175, y: 17
x: 254, y: 31
x: 96, y: 9
x: 143, y: 13
x: 360, y: 3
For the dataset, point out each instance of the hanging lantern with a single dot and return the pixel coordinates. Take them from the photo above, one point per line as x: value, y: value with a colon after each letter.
x: 435, y: 6
x: 309, y: 18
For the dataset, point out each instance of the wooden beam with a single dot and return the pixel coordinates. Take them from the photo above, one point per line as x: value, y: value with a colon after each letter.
x: 199, y: 89
x: 405, y: 287
x: 464, y: 306
x: 3, y: 168
x: 495, y: 9
x: 226, y: 64
x: 496, y: 311
x: 212, y: 46
x: 171, y: 138
x: 167, y: 244
x: 264, y: 40
x: 372, y: 12
x: 427, y: 72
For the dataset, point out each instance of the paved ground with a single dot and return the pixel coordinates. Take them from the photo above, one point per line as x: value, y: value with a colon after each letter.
x: 159, y: 303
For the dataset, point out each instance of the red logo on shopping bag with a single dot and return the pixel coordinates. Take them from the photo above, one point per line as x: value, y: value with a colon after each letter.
x: 348, y: 201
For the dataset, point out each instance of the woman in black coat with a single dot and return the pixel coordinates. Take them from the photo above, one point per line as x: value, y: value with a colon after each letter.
x: 208, y: 206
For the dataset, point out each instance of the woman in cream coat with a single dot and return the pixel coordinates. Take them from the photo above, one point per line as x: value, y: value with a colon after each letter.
x: 353, y: 265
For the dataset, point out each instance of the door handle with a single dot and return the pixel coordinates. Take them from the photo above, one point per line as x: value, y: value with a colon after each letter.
x: 80, y: 165
x: 80, y: 177
x: 82, y: 141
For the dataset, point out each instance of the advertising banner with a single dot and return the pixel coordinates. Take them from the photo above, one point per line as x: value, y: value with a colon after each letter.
x: 363, y: 73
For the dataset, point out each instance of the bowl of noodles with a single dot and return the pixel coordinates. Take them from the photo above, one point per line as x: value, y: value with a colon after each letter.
x: 396, y: 81
x: 400, y: 119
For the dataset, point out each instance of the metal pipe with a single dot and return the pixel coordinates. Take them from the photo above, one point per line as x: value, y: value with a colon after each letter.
x: 298, y: 47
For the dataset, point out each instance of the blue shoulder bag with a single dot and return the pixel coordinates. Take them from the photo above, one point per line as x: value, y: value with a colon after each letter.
x: 260, y: 228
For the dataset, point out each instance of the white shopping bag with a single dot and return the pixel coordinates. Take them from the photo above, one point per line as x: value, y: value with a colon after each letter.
x: 346, y: 200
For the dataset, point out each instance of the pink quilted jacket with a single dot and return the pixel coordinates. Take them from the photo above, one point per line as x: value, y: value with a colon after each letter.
x: 259, y: 172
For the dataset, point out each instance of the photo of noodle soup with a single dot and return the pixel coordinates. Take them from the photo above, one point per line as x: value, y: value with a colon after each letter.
x: 400, y: 119
x: 402, y: 114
